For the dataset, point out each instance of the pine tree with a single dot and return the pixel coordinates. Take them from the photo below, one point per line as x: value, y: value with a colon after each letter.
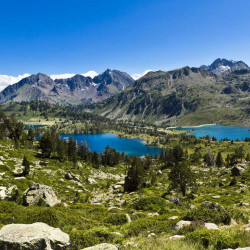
x: 180, y: 177
x: 248, y: 157
x: 239, y: 153
x: 31, y: 134
x: 135, y: 175
x: 46, y: 144
x: 208, y: 159
x: 178, y: 153
x: 26, y: 165
x: 219, y: 160
x: 72, y: 150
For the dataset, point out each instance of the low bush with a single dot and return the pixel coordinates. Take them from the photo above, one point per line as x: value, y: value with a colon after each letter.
x: 45, y: 215
x: 219, y: 239
x: 116, y: 219
x: 80, y: 239
x: 153, y: 204
x: 211, y: 212
x: 149, y: 224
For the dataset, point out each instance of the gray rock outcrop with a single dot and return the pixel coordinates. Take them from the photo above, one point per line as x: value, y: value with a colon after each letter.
x: 181, y: 224
x: 103, y: 246
x: 39, y: 194
x: 37, y: 236
x: 236, y: 171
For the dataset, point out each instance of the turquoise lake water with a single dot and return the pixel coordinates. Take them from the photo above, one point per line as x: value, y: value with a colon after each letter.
x: 219, y: 131
x: 98, y: 142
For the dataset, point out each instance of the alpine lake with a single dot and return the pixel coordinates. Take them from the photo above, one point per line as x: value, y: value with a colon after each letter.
x: 137, y: 146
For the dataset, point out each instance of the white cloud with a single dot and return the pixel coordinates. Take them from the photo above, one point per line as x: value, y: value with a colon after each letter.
x: 91, y: 74
x: 137, y: 76
x: 6, y: 80
x: 62, y: 76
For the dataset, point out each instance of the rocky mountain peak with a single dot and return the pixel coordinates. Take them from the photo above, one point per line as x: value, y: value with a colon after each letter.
x: 223, y: 66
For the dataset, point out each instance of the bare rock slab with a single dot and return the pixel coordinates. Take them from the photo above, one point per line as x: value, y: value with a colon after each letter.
x: 103, y: 246
x: 37, y: 236
x: 38, y: 193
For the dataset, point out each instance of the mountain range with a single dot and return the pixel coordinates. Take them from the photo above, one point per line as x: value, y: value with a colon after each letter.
x: 218, y: 93
x: 70, y: 91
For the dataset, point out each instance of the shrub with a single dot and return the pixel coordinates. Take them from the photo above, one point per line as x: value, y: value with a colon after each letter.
x: 154, y: 204
x: 80, y: 239
x: 144, y: 225
x: 116, y: 219
x: 209, y: 212
x: 217, y: 239
x: 45, y: 215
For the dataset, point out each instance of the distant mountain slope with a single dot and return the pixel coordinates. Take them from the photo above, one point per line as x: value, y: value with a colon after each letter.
x: 186, y: 96
x: 224, y: 66
x: 75, y: 90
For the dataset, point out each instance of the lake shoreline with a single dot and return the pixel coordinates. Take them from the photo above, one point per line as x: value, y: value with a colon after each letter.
x: 197, y: 126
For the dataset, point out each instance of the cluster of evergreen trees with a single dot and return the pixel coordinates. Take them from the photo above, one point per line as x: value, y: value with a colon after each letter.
x: 53, y: 146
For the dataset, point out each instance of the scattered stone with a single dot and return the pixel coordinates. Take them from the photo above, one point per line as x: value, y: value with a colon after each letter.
x: 39, y: 193
x: 71, y: 177
x: 8, y: 193
x: 173, y: 218
x: 3, y: 191
x: 33, y: 236
x: 176, y: 237
x: 236, y: 171
x: 102, y: 198
x: 153, y: 214
x: 91, y: 181
x: 159, y: 172
x: 151, y: 235
x: 243, y: 248
x: 43, y: 163
x: 118, y: 234
x: 103, y: 246
x: 211, y: 226
x: 131, y: 244
x: 182, y: 224
x: 20, y: 178
x: 122, y: 183
x: 175, y: 200
x: 117, y: 187
x: 128, y: 218
x: 118, y: 208
x: 245, y: 204
x: 216, y: 196
x: 233, y: 222
x: 18, y: 170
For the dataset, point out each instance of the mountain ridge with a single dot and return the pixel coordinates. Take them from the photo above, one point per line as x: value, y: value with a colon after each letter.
x: 182, y: 96
x: 69, y: 91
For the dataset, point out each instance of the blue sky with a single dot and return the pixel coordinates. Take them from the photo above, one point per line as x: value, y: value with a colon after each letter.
x: 76, y: 36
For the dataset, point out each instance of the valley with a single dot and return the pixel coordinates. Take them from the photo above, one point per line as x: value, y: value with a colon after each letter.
x: 136, y: 167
